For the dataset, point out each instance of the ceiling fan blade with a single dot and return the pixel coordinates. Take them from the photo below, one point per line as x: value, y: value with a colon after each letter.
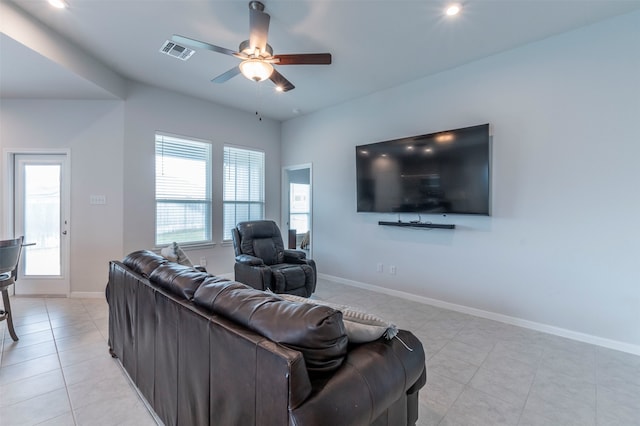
x: 258, y: 26
x: 201, y: 44
x: 281, y: 82
x: 304, y: 59
x: 226, y: 75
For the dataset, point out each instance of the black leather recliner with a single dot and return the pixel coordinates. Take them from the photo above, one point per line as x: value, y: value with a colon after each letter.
x: 263, y: 263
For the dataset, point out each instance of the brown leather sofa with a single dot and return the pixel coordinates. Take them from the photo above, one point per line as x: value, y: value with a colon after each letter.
x: 207, y: 351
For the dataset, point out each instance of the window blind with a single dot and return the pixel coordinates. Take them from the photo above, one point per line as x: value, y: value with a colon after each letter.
x: 183, y: 190
x: 243, y: 192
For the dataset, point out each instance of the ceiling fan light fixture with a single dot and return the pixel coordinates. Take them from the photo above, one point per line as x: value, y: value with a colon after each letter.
x: 58, y: 4
x: 453, y: 9
x: 256, y: 70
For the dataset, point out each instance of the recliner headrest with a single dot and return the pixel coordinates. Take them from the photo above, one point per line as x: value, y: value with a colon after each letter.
x: 261, y: 238
x: 258, y: 229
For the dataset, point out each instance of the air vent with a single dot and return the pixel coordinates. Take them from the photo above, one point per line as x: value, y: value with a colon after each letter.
x: 177, y: 51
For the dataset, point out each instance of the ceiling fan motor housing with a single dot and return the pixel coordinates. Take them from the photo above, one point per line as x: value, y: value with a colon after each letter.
x: 245, y: 47
x: 256, y: 5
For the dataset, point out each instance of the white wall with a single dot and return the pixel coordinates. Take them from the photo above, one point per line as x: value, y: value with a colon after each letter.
x: 93, y: 132
x: 149, y: 110
x: 561, y: 248
x: 112, y: 154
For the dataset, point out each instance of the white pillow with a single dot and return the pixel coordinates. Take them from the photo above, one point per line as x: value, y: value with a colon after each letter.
x: 174, y: 253
x: 360, y: 326
x: 169, y: 253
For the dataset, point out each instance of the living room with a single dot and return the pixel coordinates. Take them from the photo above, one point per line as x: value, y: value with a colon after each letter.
x: 556, y: 255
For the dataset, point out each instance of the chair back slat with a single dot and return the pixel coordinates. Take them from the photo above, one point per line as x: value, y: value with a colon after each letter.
x: 10, y: 255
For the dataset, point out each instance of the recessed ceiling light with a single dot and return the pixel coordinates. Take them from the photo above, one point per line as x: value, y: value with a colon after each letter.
x: 279, y: 89
x: 453, y: 10
x: 58, y: 4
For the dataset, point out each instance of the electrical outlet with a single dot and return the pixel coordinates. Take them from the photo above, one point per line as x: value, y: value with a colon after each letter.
x: 392, y: 269
x: 203, y: 261
x: 379, y: 267
x: 97, y: 199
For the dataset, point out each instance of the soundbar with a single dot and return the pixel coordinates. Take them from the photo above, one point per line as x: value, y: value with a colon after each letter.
x: 418, y: 225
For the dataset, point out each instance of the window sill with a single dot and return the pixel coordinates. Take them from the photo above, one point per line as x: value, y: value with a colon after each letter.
x: 187, y: 247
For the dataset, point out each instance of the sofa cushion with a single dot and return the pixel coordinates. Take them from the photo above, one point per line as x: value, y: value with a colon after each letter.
x: 177, y: 279
x: 144, y: 261
x: 360, y: 326
x: 316, y: 331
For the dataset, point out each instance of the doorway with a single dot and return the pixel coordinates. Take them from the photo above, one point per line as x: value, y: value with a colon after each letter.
x: 298, y: 212
x: 40, y: 188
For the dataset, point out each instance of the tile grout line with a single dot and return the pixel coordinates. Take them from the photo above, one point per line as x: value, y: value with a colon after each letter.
x: 128, y: 379
x: 64, y: 379
x: 463, y: 389
x: 535, y: 375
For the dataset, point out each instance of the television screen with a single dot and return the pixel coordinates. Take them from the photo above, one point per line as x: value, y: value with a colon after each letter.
x: 444, y: 172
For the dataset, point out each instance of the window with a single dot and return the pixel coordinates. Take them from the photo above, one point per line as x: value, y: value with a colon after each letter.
x: 183, y: 191
x: 299, y: 207
x: 243, y: 187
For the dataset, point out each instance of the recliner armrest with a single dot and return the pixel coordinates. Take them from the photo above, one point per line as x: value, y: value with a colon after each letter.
x: 294, y: 256
x: 246, y: 259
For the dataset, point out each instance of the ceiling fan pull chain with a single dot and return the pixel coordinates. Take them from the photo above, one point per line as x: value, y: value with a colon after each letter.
x: 259, y: 96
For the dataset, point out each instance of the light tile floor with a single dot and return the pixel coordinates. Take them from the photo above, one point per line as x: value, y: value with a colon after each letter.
x: 480, y: 372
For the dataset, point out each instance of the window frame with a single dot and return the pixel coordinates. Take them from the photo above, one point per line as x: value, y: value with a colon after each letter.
x: 207, y: 200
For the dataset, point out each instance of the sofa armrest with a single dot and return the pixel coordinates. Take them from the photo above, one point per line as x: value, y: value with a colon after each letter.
x: 294, y: 256
x: 247, y: 259
x: 373, y: 377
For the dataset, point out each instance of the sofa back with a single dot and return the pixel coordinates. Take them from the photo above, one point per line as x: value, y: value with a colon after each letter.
x: 316, y: 331
x: 186, y: 361
x: 144, y: 261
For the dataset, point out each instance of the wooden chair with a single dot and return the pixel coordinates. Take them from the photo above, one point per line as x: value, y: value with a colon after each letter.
x: 9, y: 258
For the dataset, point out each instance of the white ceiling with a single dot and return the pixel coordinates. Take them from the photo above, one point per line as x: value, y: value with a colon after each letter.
x: 375, y: 44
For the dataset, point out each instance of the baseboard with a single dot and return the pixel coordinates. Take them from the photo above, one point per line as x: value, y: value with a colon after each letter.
x: 545, y: 328
x: 86, y: 295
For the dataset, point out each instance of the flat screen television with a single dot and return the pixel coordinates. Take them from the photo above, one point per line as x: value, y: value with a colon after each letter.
x: 443, y: 172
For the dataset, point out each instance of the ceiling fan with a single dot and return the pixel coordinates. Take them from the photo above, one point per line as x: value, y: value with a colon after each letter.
x: 256, y: 54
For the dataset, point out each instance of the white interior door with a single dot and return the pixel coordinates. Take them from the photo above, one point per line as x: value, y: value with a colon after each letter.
x: 41, y: 191
x: 298, y: 211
